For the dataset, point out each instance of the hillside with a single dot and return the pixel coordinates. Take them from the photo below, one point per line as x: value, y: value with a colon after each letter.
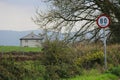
x: 11, y: 38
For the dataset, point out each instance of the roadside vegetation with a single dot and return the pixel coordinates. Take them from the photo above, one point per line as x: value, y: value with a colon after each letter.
x: 58, y: 61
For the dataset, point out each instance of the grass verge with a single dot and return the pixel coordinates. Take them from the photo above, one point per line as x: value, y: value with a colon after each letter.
x: 94, y: 75
x: 18, y: 48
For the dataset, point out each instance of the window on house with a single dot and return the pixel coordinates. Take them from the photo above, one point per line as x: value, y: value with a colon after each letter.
x: 37, y: 40
x: 26, y: 41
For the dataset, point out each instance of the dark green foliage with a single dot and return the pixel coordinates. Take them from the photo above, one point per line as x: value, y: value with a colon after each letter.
x: 59, y: 60
x: 115, y: 71
x: 5, y: 75
x: 11, y: 71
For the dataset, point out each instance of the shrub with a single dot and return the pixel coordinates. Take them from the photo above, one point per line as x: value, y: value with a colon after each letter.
x: 59, y: 60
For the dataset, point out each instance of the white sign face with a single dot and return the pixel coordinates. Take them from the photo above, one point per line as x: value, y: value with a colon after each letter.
x: 103, y: 21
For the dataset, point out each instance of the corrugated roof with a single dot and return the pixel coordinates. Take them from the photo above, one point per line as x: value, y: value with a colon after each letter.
x: 31, y: 36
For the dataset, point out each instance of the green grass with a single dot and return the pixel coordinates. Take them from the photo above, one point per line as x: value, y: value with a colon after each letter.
x: 17, y: 48
x: 94, y: 75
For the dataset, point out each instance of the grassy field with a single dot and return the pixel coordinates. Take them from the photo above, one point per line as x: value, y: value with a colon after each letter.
x: 17, y: 48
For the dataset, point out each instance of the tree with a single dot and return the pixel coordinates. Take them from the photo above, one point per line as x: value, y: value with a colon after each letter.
x: 79, y: 16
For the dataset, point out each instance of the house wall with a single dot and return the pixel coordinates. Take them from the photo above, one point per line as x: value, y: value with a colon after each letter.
x: 30, y: 43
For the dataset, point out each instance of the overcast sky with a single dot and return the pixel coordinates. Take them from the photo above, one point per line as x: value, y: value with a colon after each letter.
x: 16, y: 14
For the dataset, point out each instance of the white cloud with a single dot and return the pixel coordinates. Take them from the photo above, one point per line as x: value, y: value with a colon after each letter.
x: 13, y: 17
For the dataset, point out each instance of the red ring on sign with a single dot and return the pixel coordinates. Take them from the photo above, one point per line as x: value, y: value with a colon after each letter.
x: 105, y: 16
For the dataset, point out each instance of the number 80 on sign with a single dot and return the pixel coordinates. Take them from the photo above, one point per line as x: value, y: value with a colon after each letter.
x: 103, y: 21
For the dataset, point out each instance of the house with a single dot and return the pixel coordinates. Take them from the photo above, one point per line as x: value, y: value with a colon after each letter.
x: 31, y: 40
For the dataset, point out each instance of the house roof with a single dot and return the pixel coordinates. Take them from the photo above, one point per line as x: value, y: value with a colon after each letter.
x: 31, y: 36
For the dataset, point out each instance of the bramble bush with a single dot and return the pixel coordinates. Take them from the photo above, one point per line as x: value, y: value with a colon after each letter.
x: 92, y: 54
x: 59, y: 60
x: 10, y: 71
x: 64, y: 61
x: 14, y: 70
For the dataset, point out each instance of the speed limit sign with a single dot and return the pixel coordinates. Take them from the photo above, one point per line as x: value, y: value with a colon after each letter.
x: 103, y: 21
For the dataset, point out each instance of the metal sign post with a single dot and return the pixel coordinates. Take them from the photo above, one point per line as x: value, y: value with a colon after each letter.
x: 105, y: 52
x: 103, y: 21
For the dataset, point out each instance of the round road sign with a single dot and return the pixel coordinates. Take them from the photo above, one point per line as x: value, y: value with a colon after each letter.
x: 103, y: 21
